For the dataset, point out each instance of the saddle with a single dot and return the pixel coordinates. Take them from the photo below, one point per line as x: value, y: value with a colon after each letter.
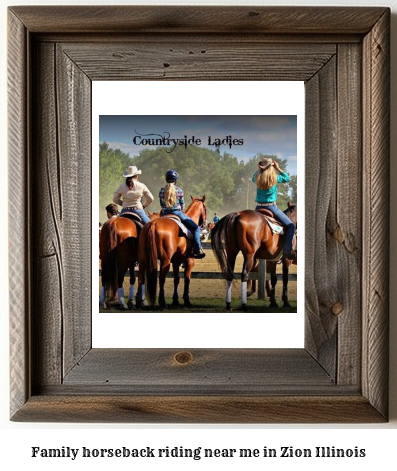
x: 132, y: 217
x: 182, y: 227
x: 275, y: 226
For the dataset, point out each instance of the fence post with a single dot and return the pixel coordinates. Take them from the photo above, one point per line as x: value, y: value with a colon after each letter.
x: 261, y: 279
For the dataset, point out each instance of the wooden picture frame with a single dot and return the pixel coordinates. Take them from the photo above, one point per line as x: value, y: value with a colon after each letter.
x: 342, y: 54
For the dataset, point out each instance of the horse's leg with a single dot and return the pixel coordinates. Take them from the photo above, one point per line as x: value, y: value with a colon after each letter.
x: 269, y: 267
x: 188, y: 273
x: 122, y: 269
x: 286, y: 264
x: 102, y: 297
x: 247, y: 267
x: 175, y: 300
x: 273, y: 282
x: 231, y: 260
x: 251, y: 284
x: 251, y: 287
x: 140, y: 295
x: 164, y: 269
x: 131, y: 292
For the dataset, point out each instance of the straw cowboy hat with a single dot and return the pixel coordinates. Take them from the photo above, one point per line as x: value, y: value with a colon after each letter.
x: 132, y: 171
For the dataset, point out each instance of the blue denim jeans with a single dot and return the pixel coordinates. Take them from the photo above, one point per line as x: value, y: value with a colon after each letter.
x: 289, y: 226
x: 140, y: 212
x: 191, y: 225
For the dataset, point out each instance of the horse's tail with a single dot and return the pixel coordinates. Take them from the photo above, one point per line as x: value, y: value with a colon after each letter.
x: 151, y: 262
x: 223, y: 233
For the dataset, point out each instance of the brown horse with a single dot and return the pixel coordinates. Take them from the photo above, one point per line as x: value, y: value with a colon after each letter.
x: 118, y: 246
x: 162, y: 240
x: 246, y: 231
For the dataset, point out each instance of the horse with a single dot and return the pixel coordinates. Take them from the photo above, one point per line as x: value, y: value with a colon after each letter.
x: 118, y: 247
x: 249, y: 232
x: 162, y: 240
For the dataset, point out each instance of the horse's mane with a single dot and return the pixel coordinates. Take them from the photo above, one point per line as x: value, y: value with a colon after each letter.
x: 198, y: 200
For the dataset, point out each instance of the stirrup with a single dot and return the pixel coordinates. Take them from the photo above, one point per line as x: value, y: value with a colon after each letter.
x: 199, y: 254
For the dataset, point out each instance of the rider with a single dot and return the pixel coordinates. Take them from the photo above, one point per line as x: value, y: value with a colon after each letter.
x: 172, y: 202
x: 266, y: 180
x: 129, y: 194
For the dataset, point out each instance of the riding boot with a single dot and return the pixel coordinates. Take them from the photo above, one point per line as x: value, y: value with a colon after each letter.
x: 289, y: 236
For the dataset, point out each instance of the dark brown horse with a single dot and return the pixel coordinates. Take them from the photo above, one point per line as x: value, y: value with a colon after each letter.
x: 246, y: 231
x: 118, y: 252
x: 162, y: 240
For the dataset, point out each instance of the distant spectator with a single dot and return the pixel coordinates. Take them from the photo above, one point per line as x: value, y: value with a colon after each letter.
x: 112, y: 210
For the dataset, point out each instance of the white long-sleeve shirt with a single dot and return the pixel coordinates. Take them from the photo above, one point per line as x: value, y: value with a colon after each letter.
x: 125, y: 197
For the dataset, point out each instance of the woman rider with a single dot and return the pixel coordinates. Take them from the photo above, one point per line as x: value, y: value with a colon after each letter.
x: 172, y: 202
x: 130, y: 193
x: 266, y: 180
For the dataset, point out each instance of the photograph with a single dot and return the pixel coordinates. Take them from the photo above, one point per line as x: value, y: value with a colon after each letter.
x: 210, y: 179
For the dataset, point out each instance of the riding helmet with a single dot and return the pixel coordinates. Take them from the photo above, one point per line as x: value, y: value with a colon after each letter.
x: 171, y: 176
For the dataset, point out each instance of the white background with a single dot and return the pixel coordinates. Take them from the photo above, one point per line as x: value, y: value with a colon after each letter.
x: 379, y: 440
x: 228, y: 330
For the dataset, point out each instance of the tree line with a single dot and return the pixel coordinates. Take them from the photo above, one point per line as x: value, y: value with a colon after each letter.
x: 221, y: 177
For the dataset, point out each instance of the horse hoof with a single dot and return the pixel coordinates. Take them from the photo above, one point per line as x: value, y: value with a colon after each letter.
x: 175, y: 303
x: 187, y: 303
x: 287, y: 304
x: 228, y: 306
x: 273, y: 305
x: 102, y: 306
x: 244, y: 307
x: 130, y: 304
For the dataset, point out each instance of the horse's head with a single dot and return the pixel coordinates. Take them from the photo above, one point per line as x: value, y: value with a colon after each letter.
x: 292, y: 213
x: 197, y: 210
x: 153, y: 215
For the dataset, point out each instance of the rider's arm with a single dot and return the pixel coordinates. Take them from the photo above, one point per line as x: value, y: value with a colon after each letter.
x: 117, y: 196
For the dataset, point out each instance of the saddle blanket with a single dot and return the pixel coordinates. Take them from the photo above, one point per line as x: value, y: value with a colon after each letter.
x: 182, y: 227
x: 276, y: 228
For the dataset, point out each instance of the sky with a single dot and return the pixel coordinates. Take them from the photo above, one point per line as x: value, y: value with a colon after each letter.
x: 274, y: 135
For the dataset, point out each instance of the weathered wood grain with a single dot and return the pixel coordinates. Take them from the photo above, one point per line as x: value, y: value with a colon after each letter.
x: 199, y: 409
x: 73, y: 89
x: 376, y: 167
x: 202, y: 370
x: 199, y: 19
x: 320, y: 174
x: 341, y: 375
x: 19, y: 244
x: 346, y: 223
x: 225, y: 58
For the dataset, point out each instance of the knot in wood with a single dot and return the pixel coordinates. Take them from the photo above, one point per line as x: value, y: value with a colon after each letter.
x: 183, y: 358
x: 338, y: 235
x: 337, y: 308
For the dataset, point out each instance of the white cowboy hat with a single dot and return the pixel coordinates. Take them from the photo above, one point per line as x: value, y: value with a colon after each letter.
x: 132, y: 171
